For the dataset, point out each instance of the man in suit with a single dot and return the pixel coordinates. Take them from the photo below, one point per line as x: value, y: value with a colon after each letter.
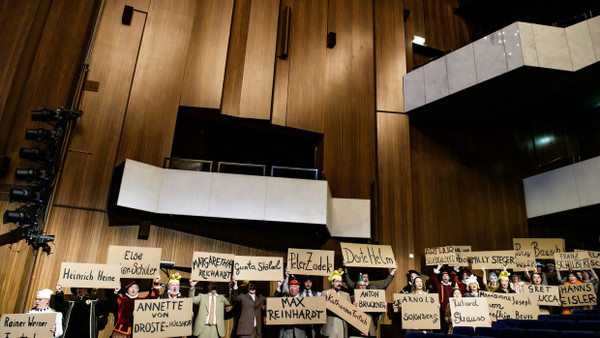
x: 336, y: 327
x: 250, y: 323
x: 307, y: 291
x: 293, y: 331
x: 210, y: 321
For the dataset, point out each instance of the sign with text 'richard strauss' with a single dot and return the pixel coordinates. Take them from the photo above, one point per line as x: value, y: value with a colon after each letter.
x: 296, y: 310
x: 368, y: 255
x: 136, y: 262
x: 84, y: 275
x: 258, y: 268
x: 310, y: 262
x: 470, y: 311
x: 214, y: 267
x: 36, y: 325
x: 162, y: 317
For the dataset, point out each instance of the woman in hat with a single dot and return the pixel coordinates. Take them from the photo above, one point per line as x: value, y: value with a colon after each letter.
x: 504, y: 283
x: 42, y: 305
x: 472, y: 286
x: 124, y: 324
x: 491, y: 284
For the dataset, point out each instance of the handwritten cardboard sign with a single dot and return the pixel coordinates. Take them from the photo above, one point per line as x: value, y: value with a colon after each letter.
x: 368, y: 255
x: 594, y: 258
x: 258, y: 268
x: 441, y: 255
x: 543, y: 248
x: 525, y: 306
x: 402, y: 298
x: 420, y: 316
x: 213, y: 267
x: 492, y: 259
x: 296, y: 310
x: 370, y: 300
x: 84, y: 275
x: 546, y: 294
x: 577, y: 295
x: 310, y: 262
x: 525, y: 259
x: 575, y: 260
x: 500, y: 305
x: 470, y: 311
x: 347, y: 311
x: 27, y: 325
x: 162, y: 317
x: 136, y: 262
x: 462, y: 254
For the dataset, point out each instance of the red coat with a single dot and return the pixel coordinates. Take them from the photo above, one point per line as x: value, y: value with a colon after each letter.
x: 124, y: 322
x: 444, y: 291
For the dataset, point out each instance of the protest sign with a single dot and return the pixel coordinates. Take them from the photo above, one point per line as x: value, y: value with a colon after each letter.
x: 162, y: 317
x: 401, y: 298
x: 492, y: 259
x: 84, y: 275
x: 594, y: 258
x: 296, y: 310
x: 525, y: 306
x: 462, y: 254
x: 37, y: 325
x: 547, y: 295
x: 258, y: 268
x: 347, y: 311
x: 470, y: 311
x: 368, y: 255
x: 500, y: 305
x: 310, y: 262
x: 525, y: 259
x: 214, y: 267
x: 420, y: 316
x: 370, y: 300
x: 543, y: 248
x: 441, y: 255
x: 136, y: 262
x: 571, y: 260
x: 577, y: 295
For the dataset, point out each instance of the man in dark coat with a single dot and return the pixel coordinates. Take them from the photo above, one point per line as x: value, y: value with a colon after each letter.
x: 250, y: 323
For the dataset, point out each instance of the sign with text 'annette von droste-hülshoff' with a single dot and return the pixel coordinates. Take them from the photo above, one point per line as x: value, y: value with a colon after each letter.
x: 370, y: 300
x: 546, y: 294
x: 492, y: 259
x: 296, y: 310
x: 258, y: 268
x: 470, y: 311
x: 213, y: 267
x: 571, y: 260
x: 16, y: 325
x: 594, y: 258
x: 368, y: 255
x: 577, y: 295
x: 347, y: 311
x: 86, y: 275
x: 136, y: 262
x: 500, y: 305
x: 543, y: 248
x: 419, y: 311
x: 162, y: 317
x: 310, y: 262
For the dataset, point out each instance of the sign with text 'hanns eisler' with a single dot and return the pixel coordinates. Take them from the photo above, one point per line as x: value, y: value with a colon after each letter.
x: 84, y: 275
x: 19, y: 325
x: 310, y: 262
x: 368, y: 255
x: 258, y: 268
x: 296, y: 310
x: 162, y: 317
x: 214, y: 267
x: 136, y: 262
x: 577, y: 295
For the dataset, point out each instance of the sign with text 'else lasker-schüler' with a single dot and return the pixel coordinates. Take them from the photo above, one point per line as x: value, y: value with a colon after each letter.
x: 136, y: 262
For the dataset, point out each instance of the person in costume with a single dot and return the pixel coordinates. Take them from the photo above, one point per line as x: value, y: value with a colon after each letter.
x: 336, y: 327
x: 456, y: 293
x: 251, y: 318
x: 572, y: 279
x: 174, y: 287
x: 472, y: 286
x: 516, y: 283
x: 491, y: 284
x: 42, y: 305
x: 418, y: 286
x: 83, y: 316
x: 124, y: 324
x: 552, y: 276
x: 504, y: 283
x: 210, y: 320
x: 293, y: 331
x: 410, y: 276
x: 362, y: 285
x: 365, y: 277
x: 444, y: 286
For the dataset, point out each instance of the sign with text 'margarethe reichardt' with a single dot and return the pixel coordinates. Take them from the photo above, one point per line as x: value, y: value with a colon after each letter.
x: 214, y: 267
x: 162, y: 317
x: 470, y: 311
x: 136, y: 262
x: 296, y: 310
x: 84, y: 275
x: 370, y: 300
x: 419, y: 311
x: 258, y: 268
x: 368, y: 255
x: 543, y: 248
x: 19, y: 325
x: 347, y: 311
x: 577, y: 295
x: 310, y: 262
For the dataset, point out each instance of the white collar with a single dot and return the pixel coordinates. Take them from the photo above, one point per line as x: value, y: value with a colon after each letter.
x: 132, y: 297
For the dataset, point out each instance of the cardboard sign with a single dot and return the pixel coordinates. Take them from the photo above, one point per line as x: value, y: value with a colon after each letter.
x: 470, y: 311
x: 370, y: 300
x: 543, y: 248
x: 492, y: 259
x: 594, y: 258
x: 162, y: 317
x: 27, y: 325
x: 525, y: 259
x: 296, y: 310
x: 420, y: 316
x: 368, y: 255
x: 500, y: 305
x: 213, y: 267
x: 402, y: 298
x: 347, y: 311
x: 575, y: 260
x: 258, y: 268
x: 83, y: 275
x: 442, y: 255
x: 525, y: 306
x: 462, y: 254
x: 310, y: 262
x: 577, y: 295
x: 136, y: 262
x: 546, y: 294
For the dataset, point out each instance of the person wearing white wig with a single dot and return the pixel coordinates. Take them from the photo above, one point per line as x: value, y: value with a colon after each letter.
x: 42, y: 305
x: 472, y: 286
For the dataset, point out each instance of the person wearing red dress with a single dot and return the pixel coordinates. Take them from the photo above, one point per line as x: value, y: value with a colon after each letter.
x: 123, y: 326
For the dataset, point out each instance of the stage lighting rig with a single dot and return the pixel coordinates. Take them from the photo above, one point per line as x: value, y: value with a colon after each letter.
x: 37, y: 240
x: 35, y: 154
x: 42, y: 135
x: 33, y: 175
x: 22, y: 216
x: 29, y: 195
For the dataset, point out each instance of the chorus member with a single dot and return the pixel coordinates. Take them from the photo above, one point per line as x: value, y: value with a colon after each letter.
x: 365, y: 277
x: 293, y: 331
x: 590, y: 276
x: 250, y: 323
x: 125, y: 304
x: 504, y: 286
x: 456, y: 293
x: 336, y: 327
x: 472, y: 287
x: 552, y: 275
x: 42, y: 305
x: 410, y: 276
x: 491, y: 283
x: 516, y: 284
x: 210, y: 320
x: 572, y: 279
x: 418, y: 287
x: 174, y: 288
x: 444, y: 287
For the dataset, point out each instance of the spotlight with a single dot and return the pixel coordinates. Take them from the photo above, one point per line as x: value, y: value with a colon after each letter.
x: 32, y: 175
x: 41, y: 135
x: 19, y: 217
x: 27, y: 195
x: 46, y: 115
x: 36, y: 240
x: 34, y: 154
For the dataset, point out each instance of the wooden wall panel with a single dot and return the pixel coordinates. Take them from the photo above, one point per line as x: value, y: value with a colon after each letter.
x: 444, y: 30
x: 390, y: 55
x: 154, y: 101
x: 207, y: 54
x: 90, y: 160
x: 349, y: 142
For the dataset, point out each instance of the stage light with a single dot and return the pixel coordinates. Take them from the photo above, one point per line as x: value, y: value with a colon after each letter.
x: 27, y: 195
x: 41, y: 135
x: 19, y: 217
x: 46, y: 115
x: 32, y: 175
x: 34, y: 154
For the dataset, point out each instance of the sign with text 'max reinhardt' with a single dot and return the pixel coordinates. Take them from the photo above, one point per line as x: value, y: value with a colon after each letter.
x: 546, y: 294
x: 571, y: 260
x: 543, y: 248
x: 162, y: 317
x: 500, y: 305
x: 296, y: 310
x: 136, y: 262
x: 577, y: 295
x: 492, y: 259
x: 310, y: 262
x: 594, y: 258
x: 370, y: 300
x: 470, y: 311
x: 258, y: 268
x: 419, y: 311
x: 27, y: 325
x: 368, y: 255
x: 213, y: 267
x: 84, y: 275
x: 347, y: 311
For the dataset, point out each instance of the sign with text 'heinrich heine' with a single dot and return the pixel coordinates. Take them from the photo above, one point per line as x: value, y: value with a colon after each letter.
x: 296, y: 310
x: 162, y: 317
x: 310, y: 262
x: 85, y: 275
x: 258, y: 268
x: 368, y: 255
x: 136, y: 262
x: 19, y: 325
x: 213, y: 267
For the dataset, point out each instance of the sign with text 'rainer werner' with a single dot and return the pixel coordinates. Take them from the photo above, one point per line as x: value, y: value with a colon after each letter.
x: 368, y: 255
x: 310, y: 262
x: 37, y: 325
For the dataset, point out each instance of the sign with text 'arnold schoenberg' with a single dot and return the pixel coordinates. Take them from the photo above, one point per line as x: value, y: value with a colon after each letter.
x: 441, y: 255
x: 470, y: 311
x: 36, y: 325
x: 405, y: 298
x: 594, y: 258
x: 492, y: 259
x: 546, y: 294
x: 258, y: 268
x: 85, y: 275
x: 136, y: 262
x: 162, y: 317
x: 577, y: 295
x: 419, y: 311
x: 310, y: 262
x: 571, y: 260
x: 368, y: 255
x: 347, y: 311
x: 370, y: 300
x: 296, y: 310
x: 543, y: 248
x: 213, y: 267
